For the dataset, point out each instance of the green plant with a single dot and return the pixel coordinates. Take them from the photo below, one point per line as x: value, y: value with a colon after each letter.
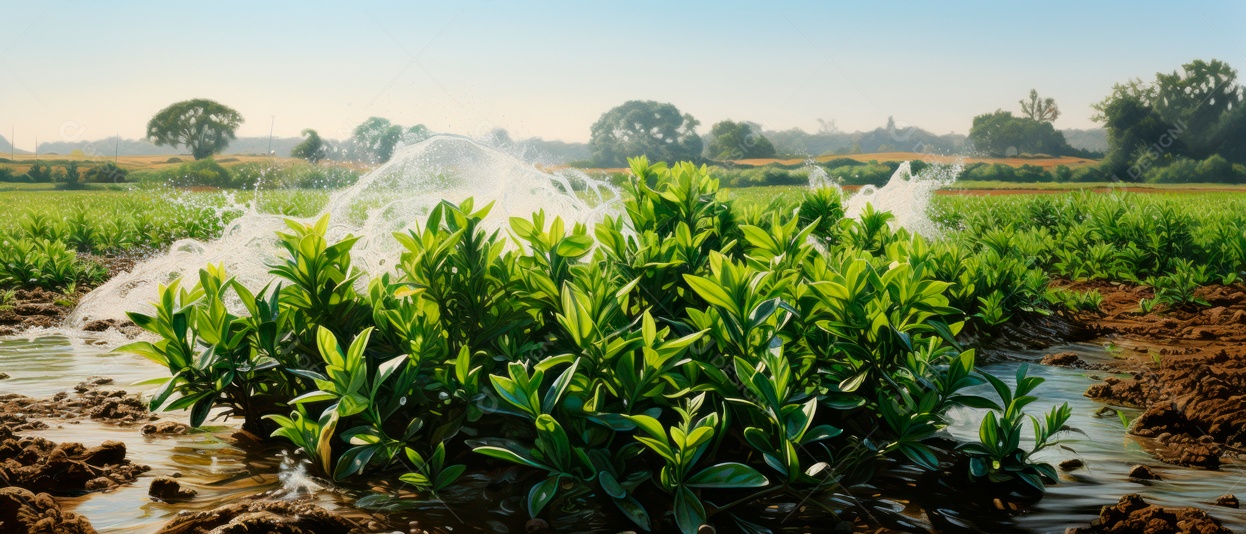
x: 998, y: 455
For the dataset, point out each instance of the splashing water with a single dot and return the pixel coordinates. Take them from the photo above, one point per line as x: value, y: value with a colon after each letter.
x: 905, y: 195
x: 393, y: 198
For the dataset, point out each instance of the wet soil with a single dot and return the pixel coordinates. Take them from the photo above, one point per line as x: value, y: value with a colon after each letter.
x: 1132, y: 515
x: 281, y: 517
x: 23, y: 511
x: 44, y: 308
x: 35, y: 471
x: 1186, y: 368
x: 67, y: 468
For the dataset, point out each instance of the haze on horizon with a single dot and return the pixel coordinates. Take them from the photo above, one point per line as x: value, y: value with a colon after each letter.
x: 82, y: 71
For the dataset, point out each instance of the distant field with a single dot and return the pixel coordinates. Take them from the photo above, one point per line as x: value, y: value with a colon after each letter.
x: 1044, y: 162
x: 143, y: 163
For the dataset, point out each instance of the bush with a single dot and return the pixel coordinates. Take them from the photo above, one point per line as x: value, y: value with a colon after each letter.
x: 293, y: 175
x: 108, y: 173
x: 39, y: 172
x: 204, y: 172
x: 7, y: 175
x: 1214, y: 169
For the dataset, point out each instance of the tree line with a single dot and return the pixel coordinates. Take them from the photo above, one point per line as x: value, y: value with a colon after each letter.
x: 1187, y: 125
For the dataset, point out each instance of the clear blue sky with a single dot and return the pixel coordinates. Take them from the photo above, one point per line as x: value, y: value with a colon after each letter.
x: 87, y: 70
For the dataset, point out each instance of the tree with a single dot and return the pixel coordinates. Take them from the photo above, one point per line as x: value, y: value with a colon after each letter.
x: 416, y: 134
x: 1040, y: 109
x: 204, y: 126
x: 738, y: 140
x: 644, y: 127
x: 377, y: 137
x: 1195, y: 112
x: 311, y: 149
x: 1001, y: 134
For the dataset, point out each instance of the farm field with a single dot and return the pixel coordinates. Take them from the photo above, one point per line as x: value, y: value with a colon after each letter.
x: 1018, y: 304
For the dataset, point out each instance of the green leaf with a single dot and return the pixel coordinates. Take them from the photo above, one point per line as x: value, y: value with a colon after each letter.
x: 634, y: 511
x: 540, y: 495
x: 712, y: 293
x: 510, y: 456
x: 689, y: 513
x: 728, y: 475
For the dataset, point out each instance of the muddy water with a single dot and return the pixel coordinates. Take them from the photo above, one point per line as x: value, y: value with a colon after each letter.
x: 1108, y: 452
x: 206, y: 460
x: 221, y: 472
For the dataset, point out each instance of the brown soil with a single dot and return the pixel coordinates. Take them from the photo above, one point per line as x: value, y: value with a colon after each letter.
x: 1132, y: 515
x: 168, y: 489
x: 280, y: 517
x: 1188, y: 370
x: 36, y: 307
x: 25, y: 512
x: 38, y: 464
x: 43, y: 308
x: 90, y: 400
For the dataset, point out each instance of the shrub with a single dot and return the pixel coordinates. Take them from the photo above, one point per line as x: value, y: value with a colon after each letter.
x: 107, y: 173
x: 39, y: 172
x: 202, y: 173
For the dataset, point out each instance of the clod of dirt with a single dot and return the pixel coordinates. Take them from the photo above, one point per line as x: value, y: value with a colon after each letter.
x: 1071, y: 360
x: 23, y: 512
x: 1228, y: 500
x: 40, y: 465
x: 91, y: 400
x: 1133, y: 515
x: 277, y: 517
x: 1072, y: 464
x: 169, y: 490
x: 165, y: 427
x: 1142, y: 472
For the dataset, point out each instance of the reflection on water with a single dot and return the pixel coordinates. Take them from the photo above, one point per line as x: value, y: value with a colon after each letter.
x: 1108, y: 452
x: 221, y: 472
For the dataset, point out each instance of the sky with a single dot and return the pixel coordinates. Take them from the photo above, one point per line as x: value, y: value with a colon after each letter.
x: 88, y: 70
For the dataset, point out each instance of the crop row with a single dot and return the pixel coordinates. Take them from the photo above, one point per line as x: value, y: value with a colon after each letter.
x: 687, y: 352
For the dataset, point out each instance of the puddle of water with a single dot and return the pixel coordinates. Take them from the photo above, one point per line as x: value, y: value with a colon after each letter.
x: 1108, y: 452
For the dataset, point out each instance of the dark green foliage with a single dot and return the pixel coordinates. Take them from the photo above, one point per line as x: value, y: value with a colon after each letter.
x: 377, y: 138
x: 312, y: 148
x: 1001, y: 134
x: 730, y: 140
x: 1194, y: 113
x: 106, y: 173
x: 202, y: 172
x: 39, y: 172
x: 697, y: 358
x: 656, y: 130
x: 204, y: 126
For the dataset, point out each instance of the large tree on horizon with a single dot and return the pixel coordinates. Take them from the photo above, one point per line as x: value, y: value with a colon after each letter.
x: 644, y: 128
x: 204, y: 126
x: 738, y: 140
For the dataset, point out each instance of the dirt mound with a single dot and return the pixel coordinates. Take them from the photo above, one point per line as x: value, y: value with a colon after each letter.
x: 22, y: 512
x: 168, y: 489
x: 279, y: 517
x: 1132, y: 515
x: 91, y: 400
x: 66, y: 468
x: 1072, y: 361
x: 1190, y: 370
x: 35, y: 307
